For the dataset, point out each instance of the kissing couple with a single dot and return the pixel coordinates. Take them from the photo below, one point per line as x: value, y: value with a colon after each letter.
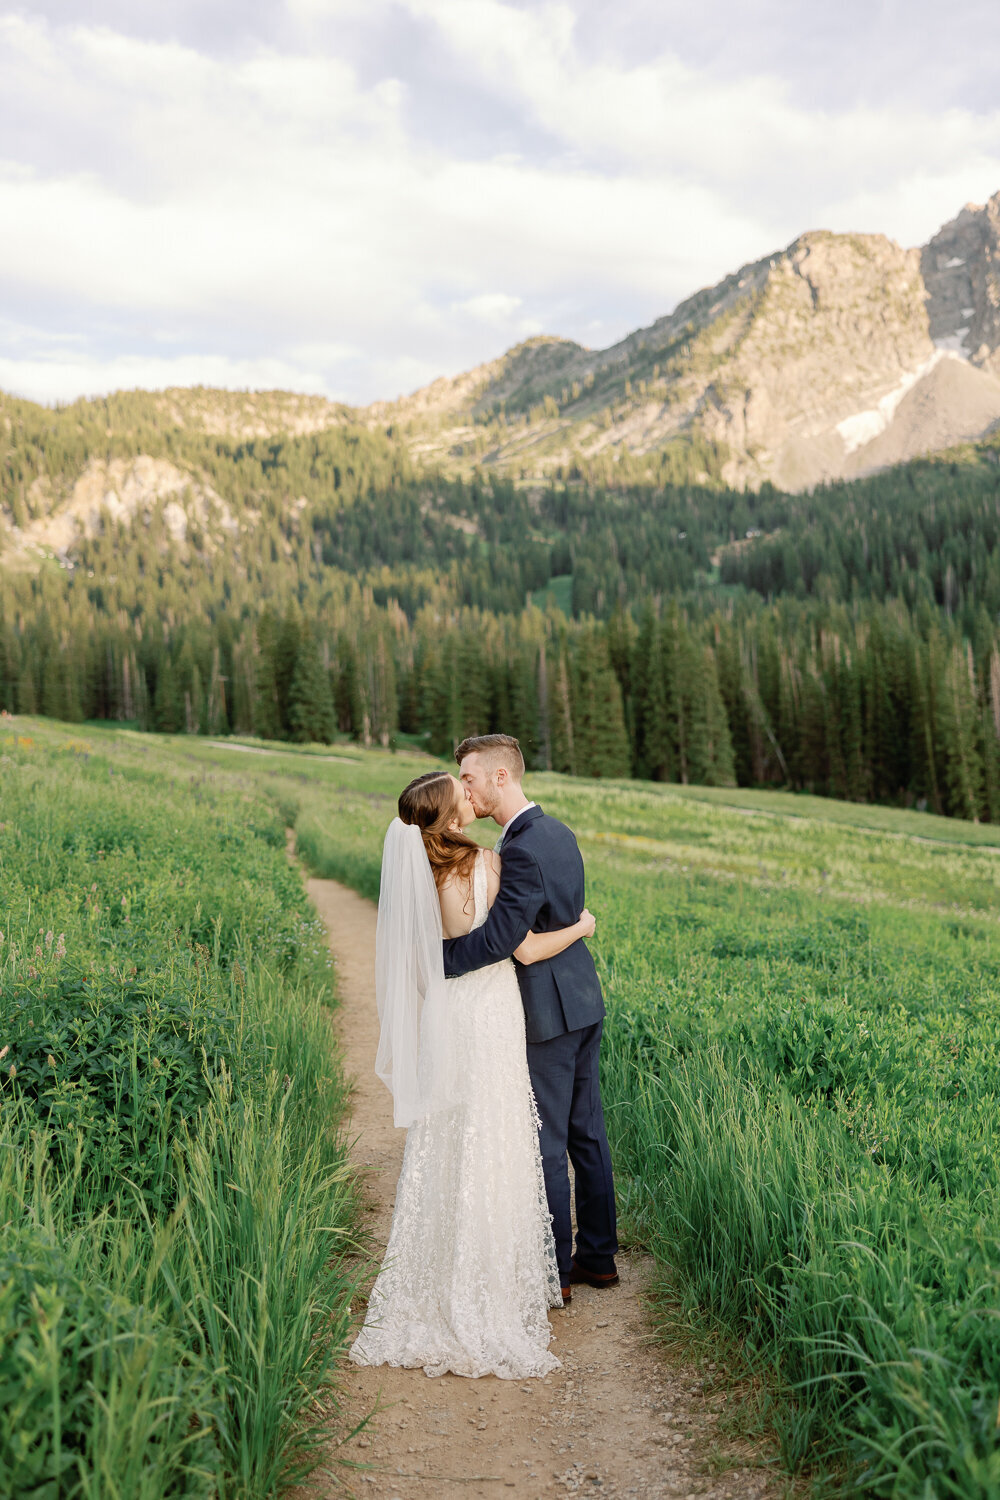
x: 491, y: 1015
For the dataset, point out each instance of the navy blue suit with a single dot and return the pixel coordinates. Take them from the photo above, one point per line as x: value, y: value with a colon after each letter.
x: 542, y: 889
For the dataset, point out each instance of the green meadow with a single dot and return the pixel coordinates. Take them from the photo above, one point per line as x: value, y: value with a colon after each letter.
x: 175, y: 1202
x: 801, y: 1073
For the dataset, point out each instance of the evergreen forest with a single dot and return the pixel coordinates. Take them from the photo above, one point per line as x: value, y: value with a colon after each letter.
x: 309, y: 585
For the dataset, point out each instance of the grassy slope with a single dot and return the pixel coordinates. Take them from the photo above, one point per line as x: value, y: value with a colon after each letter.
x: 800, y: 1071
x: 174, y: 1196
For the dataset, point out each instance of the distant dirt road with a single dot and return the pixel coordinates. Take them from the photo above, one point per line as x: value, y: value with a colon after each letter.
x: 616, y: 1421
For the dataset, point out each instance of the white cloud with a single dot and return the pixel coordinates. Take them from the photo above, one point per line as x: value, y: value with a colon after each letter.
x: 665, y: 120
x: 492, y: 307
x: 278, y: 216
x: 65, y: 374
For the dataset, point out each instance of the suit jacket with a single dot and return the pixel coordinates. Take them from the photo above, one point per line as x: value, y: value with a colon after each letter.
x: 541, y: 889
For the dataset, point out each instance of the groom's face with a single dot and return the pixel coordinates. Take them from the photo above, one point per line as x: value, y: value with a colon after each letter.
x: 480, y: 785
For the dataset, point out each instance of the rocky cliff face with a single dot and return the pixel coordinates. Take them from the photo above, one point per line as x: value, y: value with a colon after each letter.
x: 839, y: 355
x: 120, y: 492
x: 961, y: 272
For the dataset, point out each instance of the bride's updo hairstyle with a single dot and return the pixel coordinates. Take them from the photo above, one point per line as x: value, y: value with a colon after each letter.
x: 429, y: 803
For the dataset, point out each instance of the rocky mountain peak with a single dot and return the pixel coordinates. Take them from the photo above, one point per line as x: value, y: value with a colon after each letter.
x: 961, y: 271
x: 832, y: 357
x: 840, y: 354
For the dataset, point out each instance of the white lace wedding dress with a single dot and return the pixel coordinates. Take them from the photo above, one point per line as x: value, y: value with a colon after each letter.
x: 470, y: 1267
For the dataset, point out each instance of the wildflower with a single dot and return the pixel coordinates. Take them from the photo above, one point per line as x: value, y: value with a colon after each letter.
x: 12, y: 1071
x: 6, y: 1049
x: 48, y: 938
x: 61, y: 945
x: 32, y: 972
x: 123, y: 901
x: 51, y: 1061
x: 38, y: 951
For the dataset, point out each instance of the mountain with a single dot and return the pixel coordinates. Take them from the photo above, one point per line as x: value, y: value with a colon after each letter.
x: 838, y: 356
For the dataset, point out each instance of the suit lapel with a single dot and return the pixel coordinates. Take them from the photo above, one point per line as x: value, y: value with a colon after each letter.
x: 519, y: 825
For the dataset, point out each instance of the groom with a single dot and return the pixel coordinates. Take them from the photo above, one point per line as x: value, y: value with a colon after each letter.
x: 541, y: 888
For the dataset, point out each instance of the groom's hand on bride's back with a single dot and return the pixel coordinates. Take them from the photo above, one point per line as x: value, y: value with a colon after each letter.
x: 512, y: 914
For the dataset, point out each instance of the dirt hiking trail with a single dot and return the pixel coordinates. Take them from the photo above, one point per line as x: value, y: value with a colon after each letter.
x: 616, y: 1421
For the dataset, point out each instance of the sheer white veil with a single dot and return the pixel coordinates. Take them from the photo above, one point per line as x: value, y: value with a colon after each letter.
x: 415, y: 1057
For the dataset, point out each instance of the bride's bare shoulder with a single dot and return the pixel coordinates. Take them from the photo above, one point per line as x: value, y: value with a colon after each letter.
x: 492, y: 873
x: 457, y: 906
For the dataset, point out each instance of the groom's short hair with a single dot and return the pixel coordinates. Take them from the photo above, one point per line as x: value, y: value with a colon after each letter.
x: 497, y: 750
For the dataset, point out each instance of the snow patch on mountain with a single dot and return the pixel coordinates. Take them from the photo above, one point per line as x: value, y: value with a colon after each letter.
x: 866, y: 425
x: 954, y: 343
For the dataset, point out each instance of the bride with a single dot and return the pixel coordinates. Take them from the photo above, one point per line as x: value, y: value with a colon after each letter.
x: 470, y: 1268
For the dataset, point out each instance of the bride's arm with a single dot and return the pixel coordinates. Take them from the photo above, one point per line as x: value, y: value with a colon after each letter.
x: 541, y: 945
x: 538, y: 946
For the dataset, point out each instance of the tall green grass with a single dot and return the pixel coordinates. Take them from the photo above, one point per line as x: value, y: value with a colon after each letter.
x: 800, y: 1070
x: 175, y: 1199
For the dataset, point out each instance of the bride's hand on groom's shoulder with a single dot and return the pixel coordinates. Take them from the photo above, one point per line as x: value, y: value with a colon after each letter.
x: 589, y: 922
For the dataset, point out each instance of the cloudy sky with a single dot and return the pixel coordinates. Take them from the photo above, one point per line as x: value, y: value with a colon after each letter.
x: 355, y: 196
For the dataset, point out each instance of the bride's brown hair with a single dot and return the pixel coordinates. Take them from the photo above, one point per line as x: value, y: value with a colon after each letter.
x: 429, y: 803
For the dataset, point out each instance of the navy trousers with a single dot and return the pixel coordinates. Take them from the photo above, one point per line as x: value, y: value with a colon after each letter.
x: 564, y: 1076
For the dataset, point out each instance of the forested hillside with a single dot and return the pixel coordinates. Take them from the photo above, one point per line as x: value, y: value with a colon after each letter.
x: 163, y: 564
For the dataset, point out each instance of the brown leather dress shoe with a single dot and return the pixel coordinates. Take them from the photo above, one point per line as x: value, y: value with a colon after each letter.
x: 567, y: 1292
x: 600, y: 1279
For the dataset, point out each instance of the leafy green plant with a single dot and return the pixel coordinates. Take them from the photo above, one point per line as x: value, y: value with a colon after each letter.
x: 175, y: 1201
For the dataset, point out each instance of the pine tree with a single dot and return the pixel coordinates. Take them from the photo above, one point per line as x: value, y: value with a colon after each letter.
x: 711, y: 750
x: 310, y: 702
x: 168, y: 702
x: 27, y: 702
x: 72, y: 708
x: 473, y: 685
x: 522, y: 717
x: 927, y: 783
x: 727, y: 656
x: 991, y: 737
x: 347, y: 692
x: 599, y: 738
x: 53, y: 704
x: 215, y: 702
x: 379, y: 691
x: 560, y: 714
x: 647, y: 676
x: 244, y: 690
x: 544, y: 731
x: 194, y: 703
x: 266, y: 706
x: 959, y: 735
x: 286, y: 651
x: 658, y: 745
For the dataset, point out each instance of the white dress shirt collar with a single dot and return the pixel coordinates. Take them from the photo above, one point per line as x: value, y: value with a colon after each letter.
x: 511, y: 821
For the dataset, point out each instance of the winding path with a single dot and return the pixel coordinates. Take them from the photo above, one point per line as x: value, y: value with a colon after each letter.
x: 617, y: 1420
